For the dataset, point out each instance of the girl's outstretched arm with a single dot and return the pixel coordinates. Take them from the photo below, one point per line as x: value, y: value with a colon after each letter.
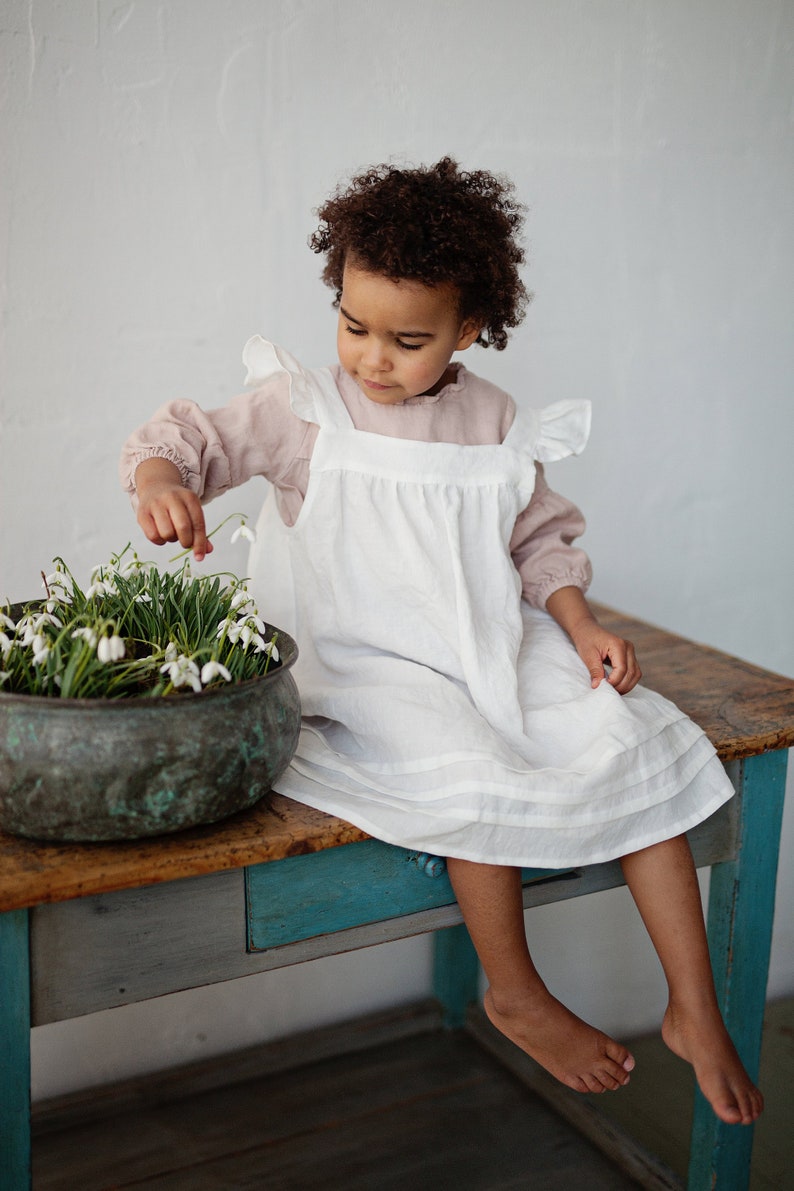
x: 594, y: 644
x: 168, y: 512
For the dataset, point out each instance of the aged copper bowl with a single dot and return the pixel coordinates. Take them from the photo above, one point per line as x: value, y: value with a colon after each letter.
x: 112, y: 769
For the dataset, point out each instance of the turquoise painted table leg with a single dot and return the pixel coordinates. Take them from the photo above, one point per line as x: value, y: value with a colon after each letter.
x: 456, y: 973
x: 741, y: 910
x: 15, y: 1172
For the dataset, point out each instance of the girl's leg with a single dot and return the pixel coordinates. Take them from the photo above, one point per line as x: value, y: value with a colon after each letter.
x: 517, y: 1001
x: 663, y: 883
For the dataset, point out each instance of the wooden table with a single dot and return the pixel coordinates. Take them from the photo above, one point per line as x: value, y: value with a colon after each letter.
x: 88, y: 927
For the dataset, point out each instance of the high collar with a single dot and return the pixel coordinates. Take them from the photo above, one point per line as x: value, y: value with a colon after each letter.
x: 454, y: 386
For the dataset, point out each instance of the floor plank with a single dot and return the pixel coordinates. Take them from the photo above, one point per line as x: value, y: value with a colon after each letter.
x: 429, y: 1111
x: 379, y: 1103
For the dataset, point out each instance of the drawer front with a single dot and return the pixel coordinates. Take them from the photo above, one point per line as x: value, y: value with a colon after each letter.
x: 339, y: 888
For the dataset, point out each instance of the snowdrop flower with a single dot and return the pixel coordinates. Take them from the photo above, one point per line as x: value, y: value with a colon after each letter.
x: 30, y: 626
x: 244, y: 609
x: 243, y: 531
x: 98, y: 573
x: 6, y: 621
x: 231, y: 629
x: 41, y: 649
x: 100, y: 588
x: 88, y: 634
x: 248, y: 629
x: 126, y: 570
x: 4, y: 675
x: 58, y: 578
x: 241, y: 601
x: 110, y: 649
x: 248, y: 637
x: 25, y: 627
x: 6, y: 644
x: 211, y: 670
x: 34, y: 624
x: 182, y: 672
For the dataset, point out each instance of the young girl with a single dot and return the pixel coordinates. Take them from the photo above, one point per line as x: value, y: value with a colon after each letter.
x: 459, y: 696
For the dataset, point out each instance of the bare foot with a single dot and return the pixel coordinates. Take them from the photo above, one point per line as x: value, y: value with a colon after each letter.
x: 722, y: 1079
x: 573, y: 1052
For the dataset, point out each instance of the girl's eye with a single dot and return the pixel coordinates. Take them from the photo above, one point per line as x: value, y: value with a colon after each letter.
x: 408, y: 347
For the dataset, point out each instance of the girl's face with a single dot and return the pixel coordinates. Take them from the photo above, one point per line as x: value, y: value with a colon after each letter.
x: 396, y: 338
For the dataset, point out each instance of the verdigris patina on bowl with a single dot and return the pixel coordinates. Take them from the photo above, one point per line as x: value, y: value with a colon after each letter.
x: 113, y: 769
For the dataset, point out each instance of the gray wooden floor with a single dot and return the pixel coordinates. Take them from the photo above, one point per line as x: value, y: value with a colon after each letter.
x: 388, y: 1102
x: 431, y: 1110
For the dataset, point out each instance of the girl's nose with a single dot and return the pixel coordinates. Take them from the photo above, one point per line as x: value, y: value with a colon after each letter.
x: 376, y: 356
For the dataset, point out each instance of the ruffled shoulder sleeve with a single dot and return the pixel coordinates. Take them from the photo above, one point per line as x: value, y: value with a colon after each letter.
x: 554, y: 432
x: 262, y: 360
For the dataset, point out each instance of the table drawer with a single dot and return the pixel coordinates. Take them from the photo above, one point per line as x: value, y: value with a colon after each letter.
x: 352, y: 885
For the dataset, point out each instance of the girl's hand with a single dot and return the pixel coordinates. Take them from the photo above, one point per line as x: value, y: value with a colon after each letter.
x: 596, y: 645
x: 167, y: 512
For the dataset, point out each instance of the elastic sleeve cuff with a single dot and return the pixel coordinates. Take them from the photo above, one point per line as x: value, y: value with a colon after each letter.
x: 538, y: 592
x: 188, y: 479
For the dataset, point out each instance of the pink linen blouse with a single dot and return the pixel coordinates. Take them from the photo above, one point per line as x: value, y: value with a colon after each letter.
x: 257, y: 434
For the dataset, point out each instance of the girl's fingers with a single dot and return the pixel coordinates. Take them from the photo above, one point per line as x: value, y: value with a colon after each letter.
x: 177, y: 516
x: 597, y: 673
x: 618, y: 655
x: 626, y: 673
x: 147, y: 524
x: 598, y: 648
x: 198, y: 530
x: 168, y: 526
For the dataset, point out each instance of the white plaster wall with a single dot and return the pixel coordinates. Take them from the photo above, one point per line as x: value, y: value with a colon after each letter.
x: 161, y: 161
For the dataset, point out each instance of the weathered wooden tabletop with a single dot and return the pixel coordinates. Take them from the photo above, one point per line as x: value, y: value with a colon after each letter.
x: 744, y: 710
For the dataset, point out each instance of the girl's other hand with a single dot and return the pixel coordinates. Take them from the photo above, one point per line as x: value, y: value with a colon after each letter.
x: 167, y: 512
x: 597, y: 646
x: 594, y: 644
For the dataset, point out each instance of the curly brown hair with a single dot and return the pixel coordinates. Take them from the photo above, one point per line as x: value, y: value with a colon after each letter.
x: 432, y: 224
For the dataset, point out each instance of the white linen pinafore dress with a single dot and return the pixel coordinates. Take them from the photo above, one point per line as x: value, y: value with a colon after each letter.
x: 441, y: 712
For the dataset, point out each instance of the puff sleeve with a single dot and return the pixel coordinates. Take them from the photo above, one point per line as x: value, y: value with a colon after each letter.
x: 541, y: 544
x: 256, y: 434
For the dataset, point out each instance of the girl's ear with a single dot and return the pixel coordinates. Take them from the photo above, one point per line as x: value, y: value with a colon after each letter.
x: 469, y: 331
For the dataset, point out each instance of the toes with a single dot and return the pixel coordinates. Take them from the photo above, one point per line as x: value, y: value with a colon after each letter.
x: 606, y: 1079
x: 739, y: 1106
x: 751, y: 1106
x: 610, y: 1083
x: 622, y: 1057
x: 617, y: 1069
x: 611, y: 1070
